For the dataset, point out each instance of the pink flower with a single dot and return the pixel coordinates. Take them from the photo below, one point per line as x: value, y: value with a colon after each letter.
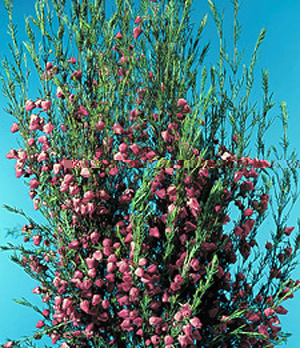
x: 91, y: 263
x: 248, y: 212
x: 263, y: 329
x: 48, y: 128
x: 34, y: 183
x: 161, y: 193
x: 43, y: 139
x: 124, y: 313
x: 36, y: 203
x: 85, y: 172
x: 32, y: 194
x: 31, y: 141
x: 269, y: 312
x: 135, y: 148
x: 154, y: 320
x: 9, y: 344
x: 171, y: 208
x: 37, y: 240
x: 88, y: 196
x: 133, y: 314
x: 185, y: 310
x: 40, y: 324
x: 111, y: 267
x: 55, y: 337
x: 195, y: 264
x: 137, y: 20
x: 249, y: 225
x: 142, y: 262
x: 119, y: 35
x: 217, y: 208
x: 114, y: 171
x: 105, y: 304
x: 126, y: 325
x: 74, y: 245
x: 68, y: 179
x: 104, y: 195
x: 83, y: 111
x: 78, y: 274
x: 152, y: 268
x: 195, y: 322
x: 137, y: 32
x: 67, y: 303
x: 12, y: 154
x: 85, y: 306
x: 46, y: 105
x: 138, y: 321
x: 92, y: 273
x: 253, y: 317
x: 46, y: 313
x: 72, y: 98
x: 14, y: 128
x: 187, y: 329
x: 64, y: 345
x: 95, y: 237
x: 73, y: 189
x: 107, y: 242
x: 154, y: 232
x: 34, y: 122
x: 77, y: 75
x: 19, y: 173
x: 181, y: 103
x: 281, y: 310
x: 29, y: 105
x: 166, y: 136
x: 49, y: 66
x: 96, y: 300
x: 57, y: 167
x: 38, y: 103
x: 123, y: 147
x: 118, y: 129
x: 59, y: 93
x: 42, y: 156
x: 226, y: 156
x: 178, y: 316
x: 155, y: 339
x: 123, y: 266
x: 193, y: 203
x: 184, y: 340
x: 288, y: 230
x: 168, y: 339
x: 238, y: 231
x: 97, y: 255
x: 72, y: 60
x: 178, y: 279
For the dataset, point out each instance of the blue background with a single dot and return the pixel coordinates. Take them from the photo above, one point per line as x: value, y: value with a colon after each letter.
x: 280, y: 55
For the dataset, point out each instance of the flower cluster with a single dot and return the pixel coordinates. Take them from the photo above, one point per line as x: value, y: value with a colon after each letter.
x: 141, y: 247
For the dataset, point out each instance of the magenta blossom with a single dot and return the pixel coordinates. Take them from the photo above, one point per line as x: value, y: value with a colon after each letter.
x: 29, y: 105
x: 137, y: 32
x: 14, y: 127
x: 72, y: 60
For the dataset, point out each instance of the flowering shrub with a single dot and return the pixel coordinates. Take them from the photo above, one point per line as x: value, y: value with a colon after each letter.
x: 137, y: 183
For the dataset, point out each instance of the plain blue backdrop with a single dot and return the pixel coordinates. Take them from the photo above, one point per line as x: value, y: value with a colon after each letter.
x: 280, y: 54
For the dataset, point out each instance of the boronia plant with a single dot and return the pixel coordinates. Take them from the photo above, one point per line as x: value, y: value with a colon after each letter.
x: 138, y: 155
